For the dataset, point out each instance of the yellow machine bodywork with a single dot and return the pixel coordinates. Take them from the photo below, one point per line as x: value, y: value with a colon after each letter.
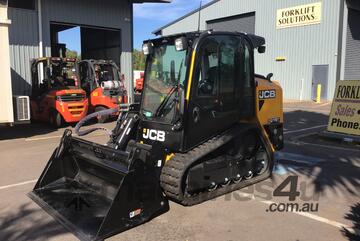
x: 272, y: 106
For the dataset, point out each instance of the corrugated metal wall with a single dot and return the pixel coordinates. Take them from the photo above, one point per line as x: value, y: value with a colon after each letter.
x: 23, y: 38
x: 115, y: 14
x: 301, y: 46
x: 101, y: 13
x: 352, y: 56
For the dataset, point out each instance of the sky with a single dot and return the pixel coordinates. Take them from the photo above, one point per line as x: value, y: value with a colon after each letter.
x: 147, y: 18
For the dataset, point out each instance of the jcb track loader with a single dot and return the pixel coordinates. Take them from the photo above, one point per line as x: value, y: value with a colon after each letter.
x: 206, y: 126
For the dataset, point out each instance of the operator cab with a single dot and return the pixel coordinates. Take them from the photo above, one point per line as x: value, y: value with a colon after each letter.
x: 95, y: 73
x: 197, y: 81
x: 58, y: 74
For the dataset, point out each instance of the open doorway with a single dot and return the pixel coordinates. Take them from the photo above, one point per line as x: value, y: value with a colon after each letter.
x: 70, y: 38
x: 89, y: 42
x: 101, y: 44
x: 65, y: 40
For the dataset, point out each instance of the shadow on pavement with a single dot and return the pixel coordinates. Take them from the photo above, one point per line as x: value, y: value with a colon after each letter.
x: 353, y: 216
x: 25, y: 131
x: 343, y: 177
x: 299, y: 119
x: 337, y: 171
x: 27, y: 224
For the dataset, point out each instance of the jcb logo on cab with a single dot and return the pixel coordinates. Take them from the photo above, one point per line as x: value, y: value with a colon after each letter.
x: 154, y: 135
x: 267, y: 94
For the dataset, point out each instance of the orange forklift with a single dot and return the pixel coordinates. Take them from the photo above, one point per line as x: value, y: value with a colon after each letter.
x: 58, y: 97
x: 139, y: 83
x: 104, y: 85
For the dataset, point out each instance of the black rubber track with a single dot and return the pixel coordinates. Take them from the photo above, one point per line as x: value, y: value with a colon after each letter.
x: 174, y: 172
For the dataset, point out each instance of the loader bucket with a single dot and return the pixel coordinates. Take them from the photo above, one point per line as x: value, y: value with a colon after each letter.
x: 96, y: 191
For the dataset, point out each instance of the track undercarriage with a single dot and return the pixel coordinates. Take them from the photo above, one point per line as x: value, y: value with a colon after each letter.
x: 221, y: 165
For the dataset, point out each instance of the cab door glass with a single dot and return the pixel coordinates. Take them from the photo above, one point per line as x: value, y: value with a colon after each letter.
x: 247, y: 93
x: 208, y: 69
x: 247, y: 67
x: 228, y: 71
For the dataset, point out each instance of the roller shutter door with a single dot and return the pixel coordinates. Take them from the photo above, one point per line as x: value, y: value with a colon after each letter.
x: 352, y: 57
x: 239, y: 23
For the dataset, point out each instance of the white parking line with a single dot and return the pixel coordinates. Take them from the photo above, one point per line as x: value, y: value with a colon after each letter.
x: 305, y: 129
x: 17, y: 184
x: 55, y: 137
x: 324, y: 104
x: 328, y: 147
x: 321, y: 219
x: 42, y: 138
x: 307, y: 215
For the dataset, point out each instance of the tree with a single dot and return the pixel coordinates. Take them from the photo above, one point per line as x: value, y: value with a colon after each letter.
x: 138, y: 60
x: 72, y: 54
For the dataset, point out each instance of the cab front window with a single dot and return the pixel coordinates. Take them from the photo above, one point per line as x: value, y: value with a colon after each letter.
x: 165, y: 74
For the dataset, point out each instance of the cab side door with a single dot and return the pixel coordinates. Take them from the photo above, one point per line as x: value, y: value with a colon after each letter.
x: 213, y: 105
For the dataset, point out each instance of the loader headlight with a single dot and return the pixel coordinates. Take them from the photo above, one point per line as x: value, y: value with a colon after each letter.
x: 147, y: 48
x: 181, y: 44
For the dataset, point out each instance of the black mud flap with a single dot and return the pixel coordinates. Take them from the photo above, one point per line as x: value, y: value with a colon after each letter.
x: 96, y: 191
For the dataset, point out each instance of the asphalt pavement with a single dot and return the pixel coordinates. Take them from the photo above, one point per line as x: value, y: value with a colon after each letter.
x: 328, y: 180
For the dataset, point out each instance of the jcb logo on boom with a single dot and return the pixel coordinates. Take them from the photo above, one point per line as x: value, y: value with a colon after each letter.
x: 267, y: 94
x: 154, y: 135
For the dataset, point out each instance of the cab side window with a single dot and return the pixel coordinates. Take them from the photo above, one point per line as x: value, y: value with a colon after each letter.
x: 229, y: 70
x: 247, y: 83
x: 217, y: 70
x: 247, y: 66
x: 208, y: 68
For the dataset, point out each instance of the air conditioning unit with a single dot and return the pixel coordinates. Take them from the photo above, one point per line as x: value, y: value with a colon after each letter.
x: 21, y: 108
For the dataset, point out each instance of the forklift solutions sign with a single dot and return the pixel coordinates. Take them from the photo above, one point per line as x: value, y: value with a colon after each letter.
x: 345, y: 111
x: 299, y: 16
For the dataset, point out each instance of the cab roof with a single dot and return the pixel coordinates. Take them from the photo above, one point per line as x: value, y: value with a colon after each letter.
x: 256, y: 40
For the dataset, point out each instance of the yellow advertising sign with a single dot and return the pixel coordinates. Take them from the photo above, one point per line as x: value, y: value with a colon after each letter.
x: 299, y: 16
x: 345, y: 111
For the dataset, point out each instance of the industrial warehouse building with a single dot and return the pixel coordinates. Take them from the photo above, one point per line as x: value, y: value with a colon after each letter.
x: 31, y: 28
x: 309, y: 42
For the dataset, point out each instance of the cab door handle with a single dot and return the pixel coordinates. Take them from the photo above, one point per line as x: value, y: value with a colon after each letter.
x: 216, y: 114
x: 196, y: 114
x: 219, y: 115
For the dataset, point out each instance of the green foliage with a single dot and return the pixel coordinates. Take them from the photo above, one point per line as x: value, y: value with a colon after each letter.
x: 72, y: 54
x: 138, y: 60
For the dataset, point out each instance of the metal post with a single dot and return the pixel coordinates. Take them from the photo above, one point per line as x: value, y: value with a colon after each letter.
x: 302, y: 89
x: 318, y: 95
x: 41, y: 47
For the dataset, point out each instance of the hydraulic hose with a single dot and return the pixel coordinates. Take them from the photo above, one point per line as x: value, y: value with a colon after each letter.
x: 93, y: 115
